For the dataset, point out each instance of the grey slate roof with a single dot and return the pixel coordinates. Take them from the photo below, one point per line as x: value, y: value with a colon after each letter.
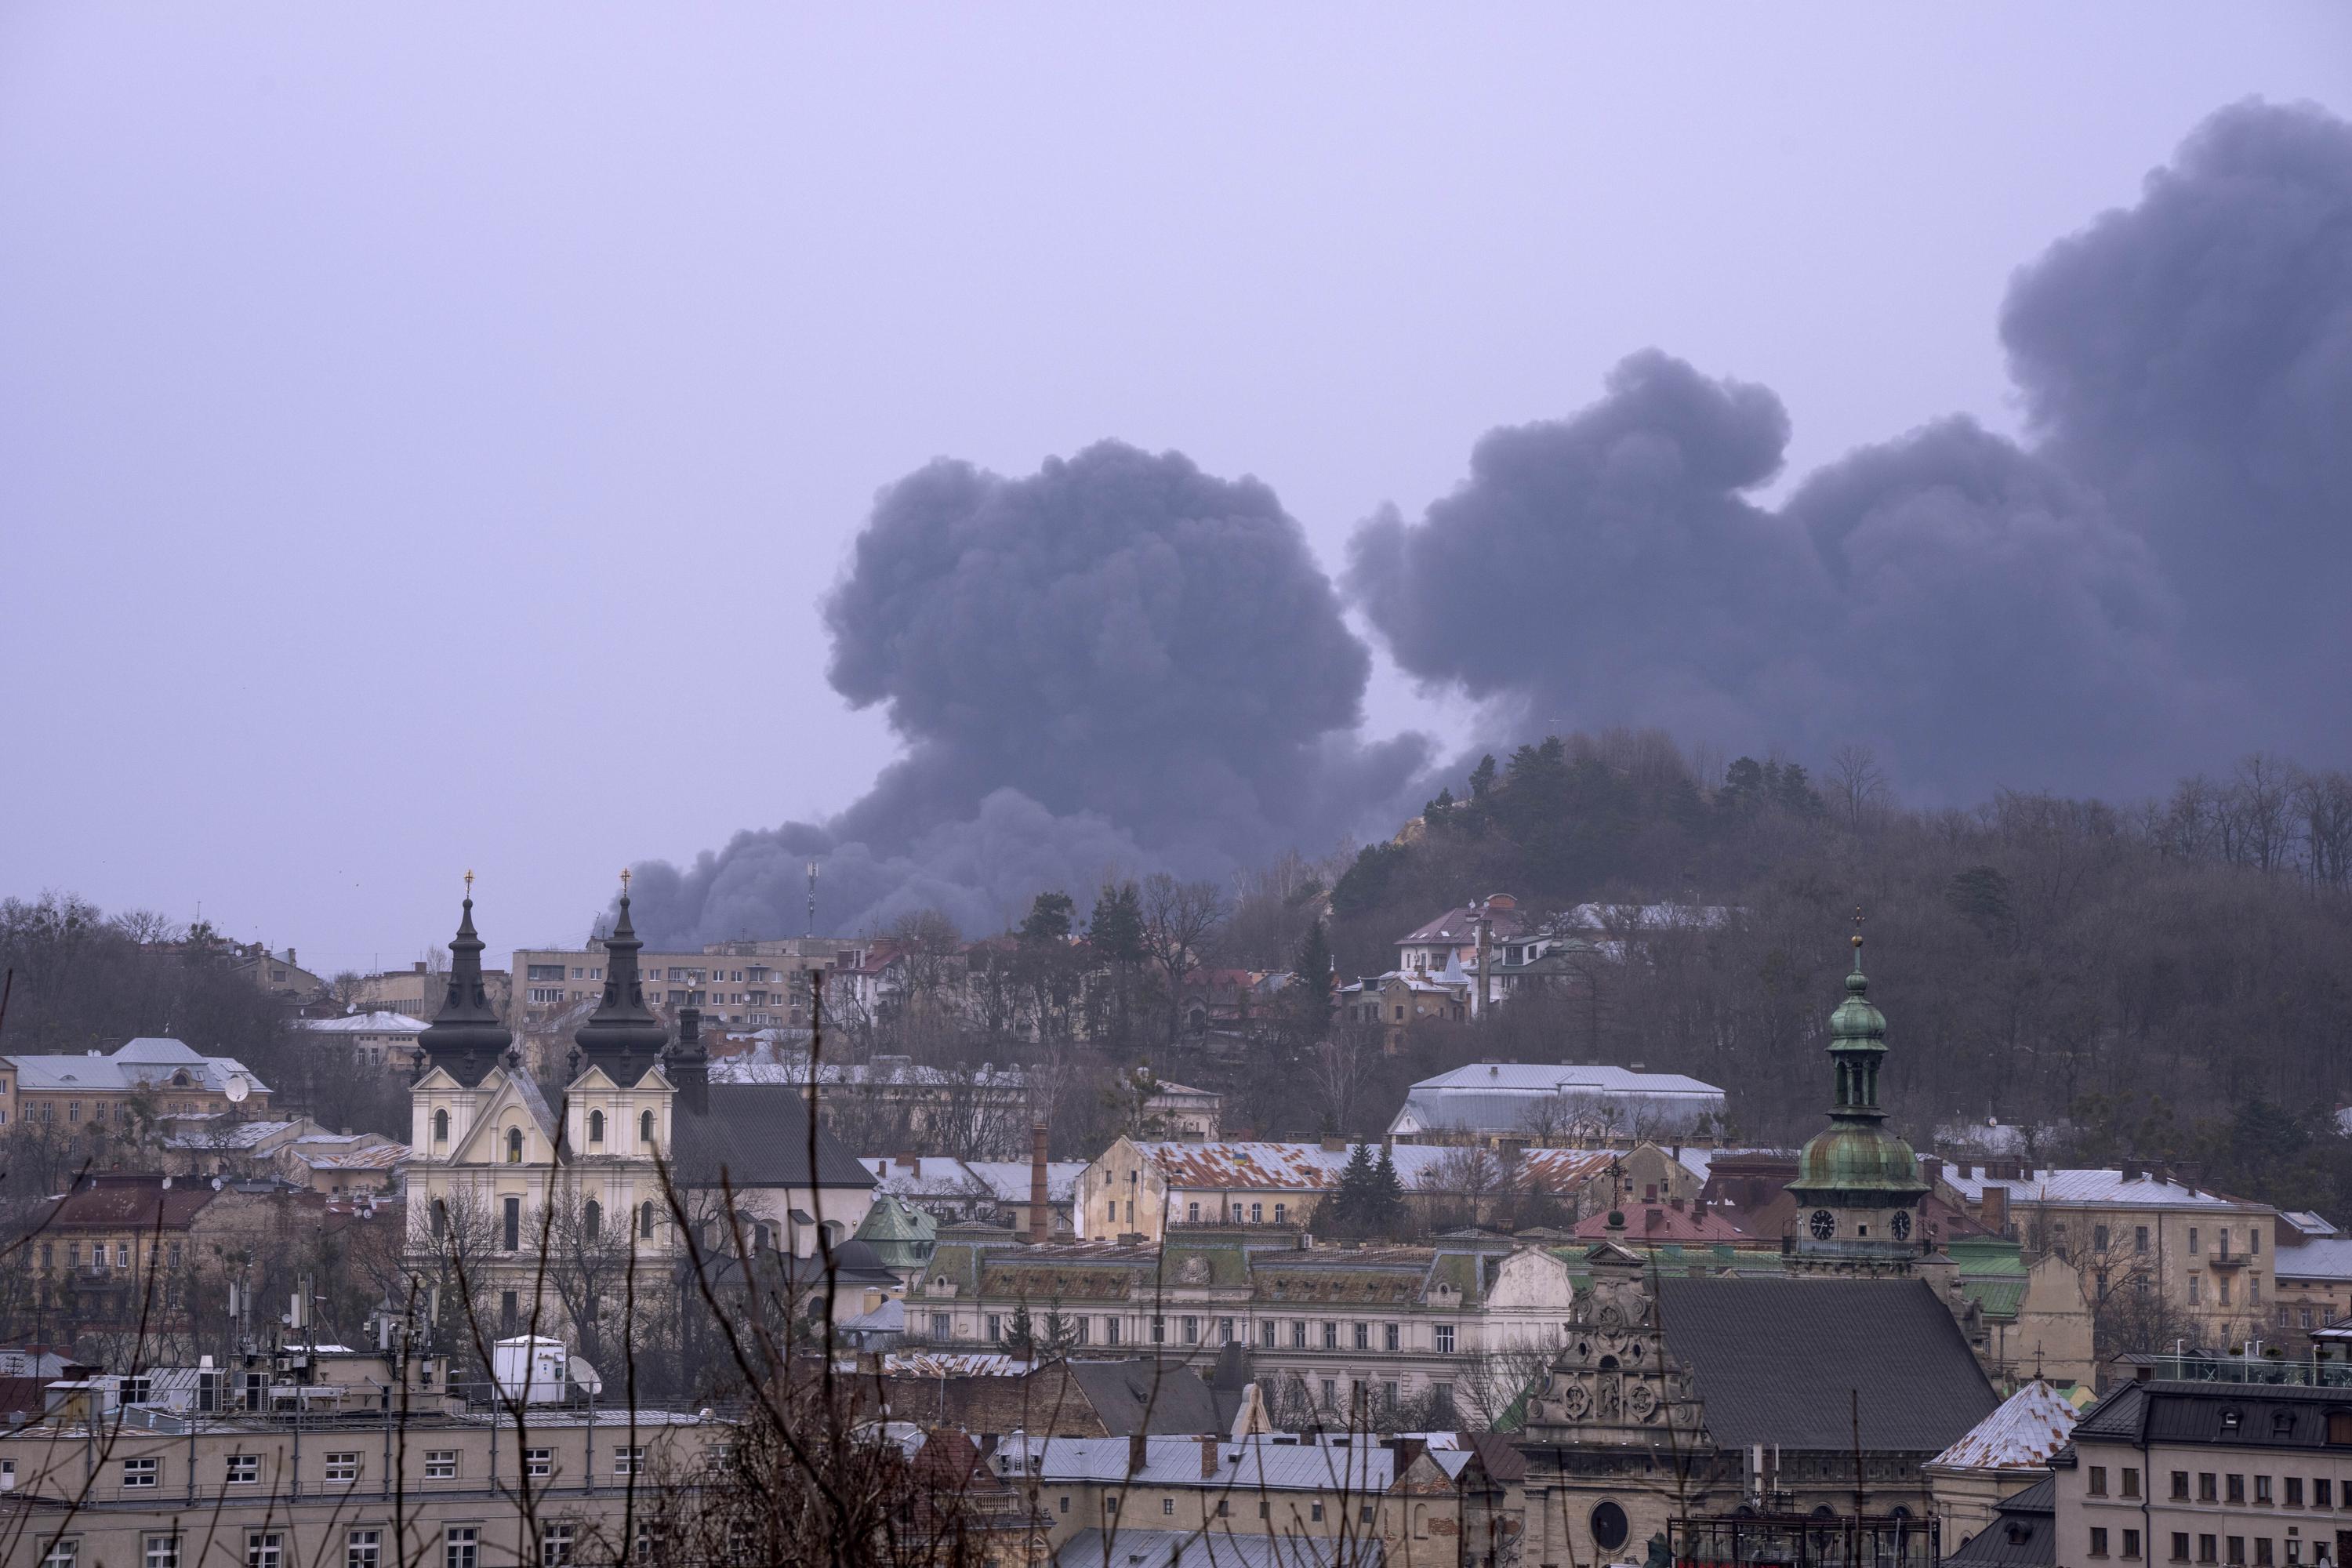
x: 2266, y: 1416
x: 758, y: 1134
x: 1139, y: 1395
x: 2023, y: 1535
x: 1776, y: 1359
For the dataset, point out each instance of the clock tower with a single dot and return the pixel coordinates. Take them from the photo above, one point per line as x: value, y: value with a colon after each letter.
x: 1858, y: 1187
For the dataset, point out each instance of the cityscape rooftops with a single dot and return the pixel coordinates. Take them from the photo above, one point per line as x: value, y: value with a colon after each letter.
x: 376, y: 1023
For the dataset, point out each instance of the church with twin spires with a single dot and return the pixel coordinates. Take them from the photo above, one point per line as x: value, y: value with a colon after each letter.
x: 499, y: 1177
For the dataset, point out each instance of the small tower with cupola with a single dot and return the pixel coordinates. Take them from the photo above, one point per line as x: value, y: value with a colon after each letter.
x: 1858, y: 1187
x: 617, y: 1108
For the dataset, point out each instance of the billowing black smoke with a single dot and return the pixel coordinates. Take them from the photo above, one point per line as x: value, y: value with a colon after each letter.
x: 1119, y: 663
x: 2158, y: 579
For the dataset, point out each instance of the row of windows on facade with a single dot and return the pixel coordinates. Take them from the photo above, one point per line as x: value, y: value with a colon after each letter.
x: 1328, y: 1334
x: 511, y: 1229
x: 1364, y: 1511
x: 122, y: 1255
x: 2225, y: 1487
x: 2102, y: 1285
x: 2141, y: 1240
x: 440, y: 1464
x: 461, y: 1546
x: 514, y: 1134
x: 2212, y: 1549
x: 1233, y: 1214
x: 755, y: 976
x: 46, y: 1111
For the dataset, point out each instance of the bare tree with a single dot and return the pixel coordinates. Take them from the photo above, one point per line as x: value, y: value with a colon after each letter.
x: 1180, y: 920
x: 1857, y: 783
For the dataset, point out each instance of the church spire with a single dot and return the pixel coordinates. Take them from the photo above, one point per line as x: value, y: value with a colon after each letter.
x: 1859, y: 1180
x: 623, y: 1037
x: 466, y: 1038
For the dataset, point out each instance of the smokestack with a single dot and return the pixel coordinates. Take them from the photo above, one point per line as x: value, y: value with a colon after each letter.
x: 1208, y: 1458
x: 1995, y: 1210
x: 1041, y: 1208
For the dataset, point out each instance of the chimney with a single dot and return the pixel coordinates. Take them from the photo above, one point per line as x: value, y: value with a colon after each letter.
x: 2132, y: 1169
x: 1675, y: 1205
x: 1996, y: 1209
x: 911, y: 1164
x: 1407, y: 1449
x: 289, y: 958
x: 1335, y: 1146
x: 419, y: 967
x: 1139, y: 1452
x: 1041, y: 1208
x: 1208, y: 1458
x: 1933, y: 1167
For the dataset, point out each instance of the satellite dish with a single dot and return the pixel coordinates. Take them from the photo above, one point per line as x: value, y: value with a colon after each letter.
x: 237, y: 1089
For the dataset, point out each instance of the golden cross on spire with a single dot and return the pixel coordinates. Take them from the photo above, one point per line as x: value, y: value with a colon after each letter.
x: 469, y: 882
x: 624, y: 882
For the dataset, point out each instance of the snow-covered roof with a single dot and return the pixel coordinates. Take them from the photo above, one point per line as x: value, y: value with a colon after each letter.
x: 2309, y: 1222
x: 2109, y: 1188
x: 940, y: 1176
x: 377, y: 1023
x: 332, y: 1154
x: 1312, y: 1167
x: 1502, y: 1096
x: 1242, y: 1466
x: 1646, y: 917
x: 2031, y: 1425
x: 1699, y: 1160
x: 216, y: 1132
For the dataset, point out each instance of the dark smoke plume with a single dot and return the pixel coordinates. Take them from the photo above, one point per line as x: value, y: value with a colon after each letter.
x: 2160, y: 577
x: 1121, y: 661
x: 1118, y: 662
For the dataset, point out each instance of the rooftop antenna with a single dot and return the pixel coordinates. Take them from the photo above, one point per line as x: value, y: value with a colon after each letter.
x: 812, y: 906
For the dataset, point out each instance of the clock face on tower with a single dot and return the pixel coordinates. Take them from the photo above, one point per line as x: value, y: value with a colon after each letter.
x: 1902, y: 1224
x: 1823, y: 1224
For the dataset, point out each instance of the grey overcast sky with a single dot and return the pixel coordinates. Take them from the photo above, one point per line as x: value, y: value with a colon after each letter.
x: 426, y: 431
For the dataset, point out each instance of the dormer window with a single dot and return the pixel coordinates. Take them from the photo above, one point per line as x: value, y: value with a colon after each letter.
x: 514, y: 1145
x: 595, y: 1127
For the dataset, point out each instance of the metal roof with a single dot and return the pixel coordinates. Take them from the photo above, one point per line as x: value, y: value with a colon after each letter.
x: 2031, y: 1424
x: 149, y: 1062
x: 379, y: 1022
x: 2107, y: 1187
x: 2327, y: 1258
x: 1569, y: 1077
x: 1311, y: 1167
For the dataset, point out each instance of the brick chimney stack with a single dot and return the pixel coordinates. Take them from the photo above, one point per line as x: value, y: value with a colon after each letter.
x: 1040, y: 1207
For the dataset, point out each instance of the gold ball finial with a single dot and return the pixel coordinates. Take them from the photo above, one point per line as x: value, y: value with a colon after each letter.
x: 1857, y: 925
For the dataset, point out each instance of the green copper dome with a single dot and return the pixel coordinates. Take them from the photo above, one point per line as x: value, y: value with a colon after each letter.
x: 1855, y: 1162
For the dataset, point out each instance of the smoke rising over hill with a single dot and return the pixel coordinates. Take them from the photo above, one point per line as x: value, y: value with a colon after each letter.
x: 1120, y: 660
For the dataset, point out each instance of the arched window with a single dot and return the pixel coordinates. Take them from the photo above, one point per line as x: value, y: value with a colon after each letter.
x: 440, y: 1218
x: 592, y: 1219
x: 595, y: 1127
x: 440, y: 1127
x: 645, y: 1220
x: 646, y: 1127
x: 514, y: 1145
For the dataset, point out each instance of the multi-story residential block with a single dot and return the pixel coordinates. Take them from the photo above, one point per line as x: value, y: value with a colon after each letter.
x: 149, y: 1078
x: 2138, y: 1228
x: 734, y: 984
x: 2251, y: 1468
x: 277, y: 972
x: 1141, y: 1188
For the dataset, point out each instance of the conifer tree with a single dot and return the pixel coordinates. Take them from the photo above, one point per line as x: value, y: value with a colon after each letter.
x: 1351, y: 1205
x: 1384, y: 1210
x: 1315, y: 984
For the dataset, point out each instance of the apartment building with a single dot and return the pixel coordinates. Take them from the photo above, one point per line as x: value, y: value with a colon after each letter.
x: 142, y: 1485
x: 2223, y: 1472
x: 737, y: 985
x: 2313, y: 1275
x: 377, y: 1038
x: 2137, y: 1227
